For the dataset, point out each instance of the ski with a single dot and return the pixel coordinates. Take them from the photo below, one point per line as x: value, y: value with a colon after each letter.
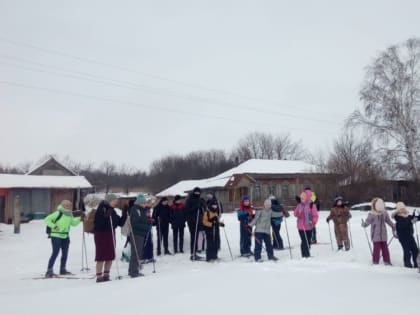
x: 70, y: 277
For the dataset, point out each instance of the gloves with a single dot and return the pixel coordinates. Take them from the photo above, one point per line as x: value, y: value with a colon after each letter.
x: 328, y: 220
x: 297, y: 198
x: 364, y: 224
x: 222, y: 224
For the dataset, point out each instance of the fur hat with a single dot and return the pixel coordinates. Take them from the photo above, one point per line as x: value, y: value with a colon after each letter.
x: 110, y: 197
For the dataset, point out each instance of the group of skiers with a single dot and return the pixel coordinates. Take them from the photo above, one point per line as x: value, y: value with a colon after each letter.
x: 203, y: 218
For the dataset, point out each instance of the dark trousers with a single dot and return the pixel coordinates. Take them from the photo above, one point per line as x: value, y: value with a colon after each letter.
x: 313, y: 239
x: 245, y: 238
x: 213, y: 244
x: 410, y: 251
x: 277, y: 240
x: 57, y: 244
x: 162, y: 233
x: 192, y: 227
x: 148, y: 246
x: 259, y: 239
x: 137, y: 245
x: 305, y: 245
x: 178, y: 238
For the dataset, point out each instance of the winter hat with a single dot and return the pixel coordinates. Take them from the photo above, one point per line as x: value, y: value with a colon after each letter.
x: 267, y: 204
x: 246, y: 198
x: 110, y: 197
x: 197, y: 190
x: 163, y: 199
x: 140, y: 199
x: 214, y: 202
x: 177, y: 197
x: 337, y: 199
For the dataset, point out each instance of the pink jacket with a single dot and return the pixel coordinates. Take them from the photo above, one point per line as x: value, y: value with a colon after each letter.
x: 307, y: 216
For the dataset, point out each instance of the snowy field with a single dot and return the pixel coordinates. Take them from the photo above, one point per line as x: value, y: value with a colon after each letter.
x: 329, y: 283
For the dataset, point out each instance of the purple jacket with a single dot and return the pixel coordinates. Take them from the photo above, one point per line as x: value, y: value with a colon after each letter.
x: 377, y: 220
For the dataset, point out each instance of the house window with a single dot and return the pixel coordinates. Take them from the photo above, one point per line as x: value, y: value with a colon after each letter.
x: 272, y: 190
x: 257, y: 192
x: 285, y: 190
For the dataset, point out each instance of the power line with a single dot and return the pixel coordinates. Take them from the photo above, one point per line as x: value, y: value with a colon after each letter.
x: 79, y: 76
x: 156, y: 77
x: 153, y: 107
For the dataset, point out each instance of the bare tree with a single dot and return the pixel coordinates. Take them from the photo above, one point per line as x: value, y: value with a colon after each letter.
x: 391, y: 101
x: 258, y: 145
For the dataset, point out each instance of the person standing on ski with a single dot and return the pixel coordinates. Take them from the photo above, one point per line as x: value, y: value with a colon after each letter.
x: 104, y: 235
x: 211, y: 198
x: 262, y: 223
x: 307, y: 217
x: 148, y: 256
x: 340, y: 215
x: 404, y: 227
x: 245, y: 215
x: 194, y: 209
x: 276, y: 220
x: 211, y: 223
x: 377, y: 218
x: 60, y: 222
x: 177, y: 219
x: 161, y: 218
x: 141, y: 227
x: 310, y: 195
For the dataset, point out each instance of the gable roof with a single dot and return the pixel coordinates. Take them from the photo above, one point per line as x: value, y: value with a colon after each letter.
x: 250, y: 167
x: 43, y: 181
x: 47, y: 161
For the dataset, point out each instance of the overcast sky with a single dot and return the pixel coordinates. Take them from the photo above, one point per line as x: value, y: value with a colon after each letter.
x: 130, y: 81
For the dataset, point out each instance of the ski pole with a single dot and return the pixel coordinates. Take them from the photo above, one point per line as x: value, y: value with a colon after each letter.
x: 115, y: 248
x: 145, y: 243
x: 132, y: 239
x: 417, y: 232
x: 307, y: 242
x: 288, y: 239
x: 367, y: 238
x: 195, y: 236
x: 392, y: 238
x: 85, y: 266
x: 331, y: 241
x: 351, y: 237
x: 227, y: 241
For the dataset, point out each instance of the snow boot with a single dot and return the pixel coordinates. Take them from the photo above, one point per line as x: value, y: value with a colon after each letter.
x: 64, y: 272
x: 49, y: 274
x: 274, y: 258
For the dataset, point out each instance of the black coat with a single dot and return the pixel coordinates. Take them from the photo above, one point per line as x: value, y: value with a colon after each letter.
x: 103, y: 216
x: 161, y: 213
x: 177, y: 215
x: 194, y: 206
x: 404, y: 226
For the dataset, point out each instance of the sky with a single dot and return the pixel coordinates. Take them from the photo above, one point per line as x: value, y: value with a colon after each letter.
x: 132, y: 81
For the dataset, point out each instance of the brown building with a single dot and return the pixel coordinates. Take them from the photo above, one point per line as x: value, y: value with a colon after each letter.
x: 40, y: 190
x: 259, y: 179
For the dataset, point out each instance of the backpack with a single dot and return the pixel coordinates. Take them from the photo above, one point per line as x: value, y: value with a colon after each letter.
x: 126, y: 228
x: 89, y: 222
x: 48, y: 229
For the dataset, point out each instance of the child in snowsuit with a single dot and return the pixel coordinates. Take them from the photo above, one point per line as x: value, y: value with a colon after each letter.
x: 276, y: 219
x: 307, y: 217
x: 262, y: 223
x: 245, y: 215
x: 377, y: 219
x: 405, y: 232
x: 212, y: 225
x: 340, y: 215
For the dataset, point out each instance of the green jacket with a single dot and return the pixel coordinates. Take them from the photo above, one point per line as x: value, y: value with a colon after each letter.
x: 61, y: 228
x: 139, y: 221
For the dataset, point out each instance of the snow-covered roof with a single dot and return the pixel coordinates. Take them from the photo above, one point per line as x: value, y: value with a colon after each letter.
x: 253, y: 166
x: 41, y: 181
x: 50, y: 158
x: 256, y: 166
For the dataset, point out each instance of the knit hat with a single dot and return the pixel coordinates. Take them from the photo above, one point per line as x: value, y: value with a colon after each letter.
x: 140, y: 199
x: 246, y: 198
x: 197, y: 190
x: 177, y: 197
x: 110, y: 197
x: 267, y: 204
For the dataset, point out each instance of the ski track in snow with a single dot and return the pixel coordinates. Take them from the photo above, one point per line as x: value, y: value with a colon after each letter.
x: 329, y: 283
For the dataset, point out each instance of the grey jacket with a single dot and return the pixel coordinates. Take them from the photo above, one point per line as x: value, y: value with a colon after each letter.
x: 377, y: 221
x: 262, y: 221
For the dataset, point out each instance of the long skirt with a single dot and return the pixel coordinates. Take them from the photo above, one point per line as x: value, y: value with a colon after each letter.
x: 105, y: 246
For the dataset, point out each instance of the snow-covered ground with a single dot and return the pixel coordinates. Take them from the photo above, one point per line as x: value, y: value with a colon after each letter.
x: 329, y: 283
